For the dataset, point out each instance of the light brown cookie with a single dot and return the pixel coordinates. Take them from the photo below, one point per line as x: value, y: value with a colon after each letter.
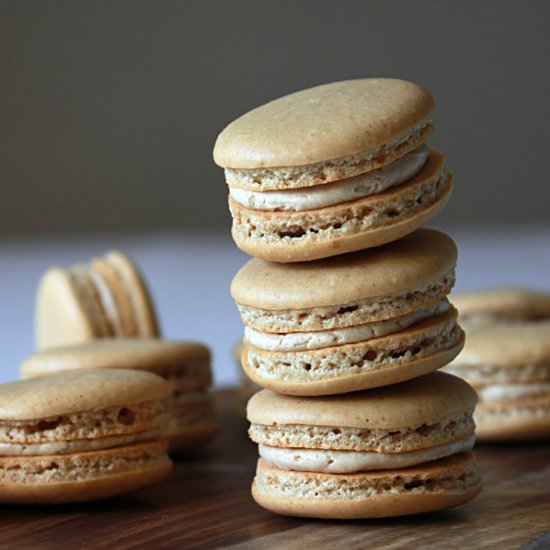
x: 191, y: 417
x: 332, y: 169
x: 81, y: 435
x: 106, y: 299
x: 392, y: 451
x: 351, y: 322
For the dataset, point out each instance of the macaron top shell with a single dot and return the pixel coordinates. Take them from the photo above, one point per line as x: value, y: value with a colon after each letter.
x: 512, y: 303
x: 399, y: 266
x: 322, y: 123
x: 79, y: 391
x: 119, y: 353
x: 507, y: 345
x: 416, y: 402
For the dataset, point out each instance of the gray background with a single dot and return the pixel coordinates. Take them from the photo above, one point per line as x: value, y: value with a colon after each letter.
x: 109, y: 110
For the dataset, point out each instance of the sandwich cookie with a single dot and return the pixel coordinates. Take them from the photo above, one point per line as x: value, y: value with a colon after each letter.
x: 80, y: 436
x: 351, y: 322
x: 332, y: 169
x: 391, y: 451
x: 191, y: 419
x: 502, y: 304
x: 509, y: 366
x: 106, y: 299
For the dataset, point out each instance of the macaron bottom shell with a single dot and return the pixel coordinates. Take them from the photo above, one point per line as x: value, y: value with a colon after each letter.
x: 413, y: 358
x: 356, y: 225
x: 82, y: 477
x: 437, y: 485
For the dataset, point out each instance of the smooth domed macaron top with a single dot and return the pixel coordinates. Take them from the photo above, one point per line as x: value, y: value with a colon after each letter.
x: 402, y: 265
x: 79, y: 391
x: 507, y: 345
x: 419, y: 401
x: 323, y: 123
x: 121, y: 353
x: 504, y: 302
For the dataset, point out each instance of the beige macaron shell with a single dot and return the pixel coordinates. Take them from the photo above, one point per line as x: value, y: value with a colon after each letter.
x: 525, y: 420
x: 505, y: 345
x: 126, y: 469
x: 60, y: 317
x: 79, y: 391
x: 401, y: 265
x: 136, y: 288
x: 161, y: 356
x: 504, y: 303
x: 323, y: 123
x: 418, y: 401
x: 397, y: 501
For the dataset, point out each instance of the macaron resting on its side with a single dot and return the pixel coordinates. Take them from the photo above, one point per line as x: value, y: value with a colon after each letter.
x: 79, y: 436
x: 393, y: 451
x: 191, y: 419
x: 106, y: 299
x: 502, y: 304
x: 332, y: 169
x: 509, y: 366
x: 351, y: 322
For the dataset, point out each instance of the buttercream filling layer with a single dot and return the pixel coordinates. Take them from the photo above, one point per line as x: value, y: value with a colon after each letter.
x: 348, y: 462
x: 75, y: 445
x: 511, y: 392
x: 338, y: 192
x: 301, y: 341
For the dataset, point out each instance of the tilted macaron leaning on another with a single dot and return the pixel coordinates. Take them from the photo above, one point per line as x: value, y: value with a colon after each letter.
x: 108, y: 298
x: 332, y: 169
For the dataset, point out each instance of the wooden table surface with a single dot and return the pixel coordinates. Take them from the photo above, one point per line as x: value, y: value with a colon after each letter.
x: 206, y: 503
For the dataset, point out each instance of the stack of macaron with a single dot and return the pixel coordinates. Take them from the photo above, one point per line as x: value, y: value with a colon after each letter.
x: 100, y: 316
x: 345, y: 303
x: 507, y: 360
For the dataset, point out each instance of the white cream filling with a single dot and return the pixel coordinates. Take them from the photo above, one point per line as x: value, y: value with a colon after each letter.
x: 348, y: 462
x: 107, y: 300
x: 510, y: 392
x: 75, y: 445
x: 298, y: 341
x: 337, y: 192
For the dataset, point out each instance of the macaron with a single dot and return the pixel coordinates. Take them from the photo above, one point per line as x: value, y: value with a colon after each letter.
x: 391, y: 451
x: 191, y: 419
x: 107, y: 298
x: 509, y: 366
x: 80, y: 436
x: 332, y: 169
x: 351, y: 322
x: 502, y: 304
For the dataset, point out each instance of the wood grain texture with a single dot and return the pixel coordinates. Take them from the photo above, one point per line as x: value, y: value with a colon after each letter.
x: 206, y: 503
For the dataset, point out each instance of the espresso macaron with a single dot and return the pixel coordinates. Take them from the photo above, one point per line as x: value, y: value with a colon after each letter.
x: 391, y: 451
x: 80, y: 436
x: 191, y: 418
x: 106, y: 299
x: 502, y: 305
x: 332, y: 169
x: 351, y: 322
x: 509, y: 366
